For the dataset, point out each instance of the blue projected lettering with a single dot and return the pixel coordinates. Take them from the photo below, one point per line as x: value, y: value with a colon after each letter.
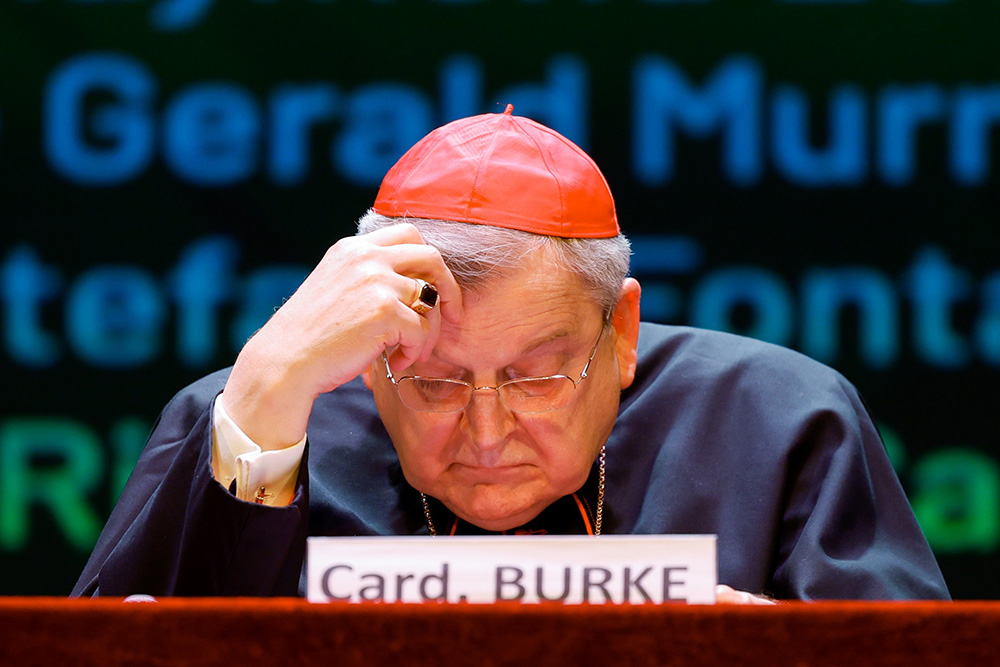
x: 715, y: 298
x: 211, y: 134
x: 461, y: 82
x: 902, y: 111
x: 101, y: 123
x: 117, y: 316
x: 665, y: 254
x: 844, y: 161
x: 809, y: 314
x: 294, y: 112
x: 384, y: 121
x: 559, y: 102
x: 988, y: 327
x: 730, y: 101
x: 662, y: 302
x: 732, y: 104
x: 202, y: 282
x: 108, y: 145
x: 114, y: 316
x: 977, y: 111
x: 264, y: 290
x: 825, y: 293
x: 220, y: 134
x: 25, y: 285
x: 178, y: 14
x: 934, y: 286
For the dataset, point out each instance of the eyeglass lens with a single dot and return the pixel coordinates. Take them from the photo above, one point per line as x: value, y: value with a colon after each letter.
x: 528, y: 395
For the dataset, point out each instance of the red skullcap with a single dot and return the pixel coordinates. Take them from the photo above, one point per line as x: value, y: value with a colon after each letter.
x: 505, y: 171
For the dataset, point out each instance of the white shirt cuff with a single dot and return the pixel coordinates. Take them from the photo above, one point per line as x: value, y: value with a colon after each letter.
x: 263, y: 477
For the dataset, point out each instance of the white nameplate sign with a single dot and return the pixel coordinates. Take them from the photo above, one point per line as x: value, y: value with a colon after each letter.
x: 618, y: 569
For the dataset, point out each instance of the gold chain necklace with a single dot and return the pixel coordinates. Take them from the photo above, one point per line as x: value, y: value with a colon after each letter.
x: 598, y: 517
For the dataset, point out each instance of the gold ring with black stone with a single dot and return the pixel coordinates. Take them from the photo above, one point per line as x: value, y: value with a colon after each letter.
x: 426, y: 299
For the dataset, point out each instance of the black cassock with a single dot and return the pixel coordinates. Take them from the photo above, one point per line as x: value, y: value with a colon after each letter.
x: 719, y: 434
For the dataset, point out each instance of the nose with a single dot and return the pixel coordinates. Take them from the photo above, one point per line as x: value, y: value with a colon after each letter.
x: 486, y: 420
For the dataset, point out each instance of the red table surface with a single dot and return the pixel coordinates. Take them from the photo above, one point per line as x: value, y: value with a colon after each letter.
x: 265, y: 632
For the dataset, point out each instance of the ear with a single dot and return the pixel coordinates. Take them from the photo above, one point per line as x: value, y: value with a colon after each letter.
x: 625, y: 320
x: 368, y: 375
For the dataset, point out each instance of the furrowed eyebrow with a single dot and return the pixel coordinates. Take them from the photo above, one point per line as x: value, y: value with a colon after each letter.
x: 562, y: 333
x: 530, y: 347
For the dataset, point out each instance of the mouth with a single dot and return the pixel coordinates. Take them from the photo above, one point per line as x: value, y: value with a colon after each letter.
x: 490, y: 474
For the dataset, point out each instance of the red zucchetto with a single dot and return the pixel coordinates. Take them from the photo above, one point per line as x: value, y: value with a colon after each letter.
x: 505, y: 171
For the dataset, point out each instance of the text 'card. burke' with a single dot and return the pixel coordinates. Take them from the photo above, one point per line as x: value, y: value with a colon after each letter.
x: 618, y: 569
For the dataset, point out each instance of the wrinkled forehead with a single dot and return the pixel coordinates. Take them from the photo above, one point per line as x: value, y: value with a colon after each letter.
x: 521, y: 311
x: 533, y: 284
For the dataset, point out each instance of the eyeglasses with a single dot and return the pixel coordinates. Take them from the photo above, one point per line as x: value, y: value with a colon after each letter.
x: 531, y: 394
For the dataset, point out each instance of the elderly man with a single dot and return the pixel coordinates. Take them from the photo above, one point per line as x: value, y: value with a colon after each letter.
x: 473, y: 362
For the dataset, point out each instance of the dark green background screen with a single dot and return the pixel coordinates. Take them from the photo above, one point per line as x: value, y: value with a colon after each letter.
x: 817, y: 174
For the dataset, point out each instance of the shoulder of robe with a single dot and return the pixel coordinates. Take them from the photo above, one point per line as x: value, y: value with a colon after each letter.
x: 714, y: 364
x: 189, y: 404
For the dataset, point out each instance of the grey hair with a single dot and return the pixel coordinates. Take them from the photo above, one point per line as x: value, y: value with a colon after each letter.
x: 476, y: 254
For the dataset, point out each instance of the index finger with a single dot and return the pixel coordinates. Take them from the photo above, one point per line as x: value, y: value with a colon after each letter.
x: 424, y: 261
x: 449, y: 293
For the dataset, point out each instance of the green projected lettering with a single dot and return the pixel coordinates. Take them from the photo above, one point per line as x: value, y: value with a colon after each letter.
x: 56, y: 464
x: 957, y: 500
x: 128, y: 437
x: 954, y: 492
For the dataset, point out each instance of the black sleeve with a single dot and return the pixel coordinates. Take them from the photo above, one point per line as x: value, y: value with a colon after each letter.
x: 847, y: 529
x: 775, y: 454
x: 177, y: 531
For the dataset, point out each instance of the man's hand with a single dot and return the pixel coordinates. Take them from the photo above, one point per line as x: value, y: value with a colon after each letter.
x: 354, y: 304
x: 729, y: 595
